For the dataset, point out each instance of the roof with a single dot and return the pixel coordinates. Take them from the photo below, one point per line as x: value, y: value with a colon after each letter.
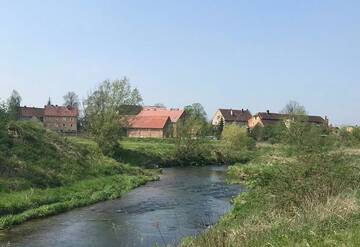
x: 60, y: 111
x: 148, y: 122
x: 174, y: 114
x: 31, y: 112
x: 269, y: 117
x: 231, y: 115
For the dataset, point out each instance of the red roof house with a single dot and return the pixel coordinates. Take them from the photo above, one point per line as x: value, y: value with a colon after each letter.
x: 149, y: 126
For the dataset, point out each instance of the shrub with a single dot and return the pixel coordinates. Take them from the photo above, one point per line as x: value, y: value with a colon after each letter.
x: 192, y: 151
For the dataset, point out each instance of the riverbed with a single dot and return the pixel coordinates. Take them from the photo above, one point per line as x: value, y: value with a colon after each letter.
x: 185, y: 202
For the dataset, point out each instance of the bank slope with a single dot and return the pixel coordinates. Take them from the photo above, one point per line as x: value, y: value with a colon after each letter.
x: 43, y: 173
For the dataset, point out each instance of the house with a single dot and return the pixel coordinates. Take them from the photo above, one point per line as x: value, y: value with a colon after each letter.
x: 61, y: 118
x: 31, y: 114
x: 230, y: 116
x: 149, y: 126
x: 175, y: 115
x: 268, y: 118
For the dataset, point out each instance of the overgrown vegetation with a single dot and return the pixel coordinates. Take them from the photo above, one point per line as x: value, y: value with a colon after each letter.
x: 303, y: 191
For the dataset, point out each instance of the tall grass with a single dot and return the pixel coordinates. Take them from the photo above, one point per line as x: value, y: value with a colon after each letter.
x: 304, y: 192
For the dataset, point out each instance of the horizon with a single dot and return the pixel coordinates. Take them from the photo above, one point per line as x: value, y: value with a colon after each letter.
x: 255, y: 56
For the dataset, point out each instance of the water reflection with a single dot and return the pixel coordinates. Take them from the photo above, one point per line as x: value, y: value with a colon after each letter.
x: 184, y: 202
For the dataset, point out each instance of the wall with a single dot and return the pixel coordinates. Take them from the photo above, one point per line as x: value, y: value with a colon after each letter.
x: 61, y: 124
x: 155, y: 133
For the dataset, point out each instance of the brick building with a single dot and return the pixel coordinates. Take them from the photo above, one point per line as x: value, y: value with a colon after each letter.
x: 150, y: 126
x: 57, y: 118
x: 61, y: 118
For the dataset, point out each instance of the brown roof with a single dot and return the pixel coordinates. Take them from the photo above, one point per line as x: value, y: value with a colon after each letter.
x: 269, y: 117
x: 31, y: 112
x: 148, y: 122
x: 174, y: 114
x: 60, y: 111
x: 231, y: 115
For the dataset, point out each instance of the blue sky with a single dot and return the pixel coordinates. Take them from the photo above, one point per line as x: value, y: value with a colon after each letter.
x: 237, y: 54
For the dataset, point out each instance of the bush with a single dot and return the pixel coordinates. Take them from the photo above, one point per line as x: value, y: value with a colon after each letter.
x: 305, y: 138
x: 236, y: 138
x: 191, y: 151
x: 271, y: 133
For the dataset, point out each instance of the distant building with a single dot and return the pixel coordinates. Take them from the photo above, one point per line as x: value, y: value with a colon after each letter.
x: 57, y: 118
x: 61, y: 118
x: 263, y: 119
x: 31, y: 113
x: 150, y: 126
x: 230, y: 116
x: 174, y: 114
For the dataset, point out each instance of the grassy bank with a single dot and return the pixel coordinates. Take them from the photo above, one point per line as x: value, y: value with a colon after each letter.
x: 294, y: 199
x: 42, y: 173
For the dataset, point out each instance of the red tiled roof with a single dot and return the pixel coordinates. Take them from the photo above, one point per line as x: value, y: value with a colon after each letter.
x: 148, y: 122
x: 60, y: 111
x: 31, y: 112
x: 174, y: 114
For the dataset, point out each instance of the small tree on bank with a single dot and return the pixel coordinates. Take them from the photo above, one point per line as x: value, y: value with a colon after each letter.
x: 103, y: 114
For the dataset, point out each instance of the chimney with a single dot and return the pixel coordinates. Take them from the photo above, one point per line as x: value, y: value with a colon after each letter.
x: 268, y: 111
x: 242, y: 110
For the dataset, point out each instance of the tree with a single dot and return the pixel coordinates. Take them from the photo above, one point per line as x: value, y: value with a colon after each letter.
x: 294, y: 108
x: 195, y: 111
x: 71, y: 99
x: 13, y: 105
x: 49, y: 102
x: 236, y: 138
x: 195, y: 123
x: 103, y: 112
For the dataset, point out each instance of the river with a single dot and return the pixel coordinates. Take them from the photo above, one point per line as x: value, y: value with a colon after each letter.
x: 183, y: 203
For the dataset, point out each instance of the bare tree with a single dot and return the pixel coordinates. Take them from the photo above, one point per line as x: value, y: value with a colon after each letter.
x: 294, y: 108
x: 71, y: 99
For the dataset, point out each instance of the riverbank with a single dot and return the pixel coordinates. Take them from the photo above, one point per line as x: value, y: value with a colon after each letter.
x: 183, y: 203
x: 43, y: 174
x: 294, y: 200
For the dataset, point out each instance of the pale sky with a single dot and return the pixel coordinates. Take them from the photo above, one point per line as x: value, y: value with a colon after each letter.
x: 235, y: 54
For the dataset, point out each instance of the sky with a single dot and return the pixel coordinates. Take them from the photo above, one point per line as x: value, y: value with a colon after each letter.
x: 223, y: 54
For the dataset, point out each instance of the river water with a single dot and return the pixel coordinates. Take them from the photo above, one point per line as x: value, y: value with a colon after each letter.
x: 183, y: 203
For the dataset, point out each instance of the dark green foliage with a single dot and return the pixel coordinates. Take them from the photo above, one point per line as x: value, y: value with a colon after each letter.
x: 305, y: 138
x: 270, y: 133
x: 193, y: 151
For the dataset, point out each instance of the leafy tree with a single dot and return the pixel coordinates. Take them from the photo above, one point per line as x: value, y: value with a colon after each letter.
x: 294, y: 108
x: 71, y: 99
x: 196, y: 111
x: 195, y: 123
x: 103, y: 112
x: 236, y: 137
x: 13, y: 105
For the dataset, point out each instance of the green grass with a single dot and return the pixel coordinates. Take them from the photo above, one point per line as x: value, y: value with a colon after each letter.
x: 292, y: 203
x: 16, y: 208
x: 43, y: 173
